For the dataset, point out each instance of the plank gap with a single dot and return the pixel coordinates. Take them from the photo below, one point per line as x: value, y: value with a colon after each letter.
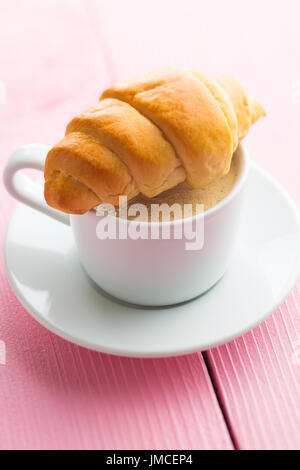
x: 220, y: 403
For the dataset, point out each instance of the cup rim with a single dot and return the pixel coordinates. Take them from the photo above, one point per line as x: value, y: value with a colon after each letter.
x: 242, y: 177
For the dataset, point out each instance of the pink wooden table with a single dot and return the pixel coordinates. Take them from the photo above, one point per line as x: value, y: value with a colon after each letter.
x: 55, y: 58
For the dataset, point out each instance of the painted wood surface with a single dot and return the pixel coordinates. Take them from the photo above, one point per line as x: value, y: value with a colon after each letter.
x: 53, y: 394
x: 258, y: 376
x: 55, y: 58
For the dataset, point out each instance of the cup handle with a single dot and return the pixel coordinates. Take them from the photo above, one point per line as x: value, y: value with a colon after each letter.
x: 23, y: 188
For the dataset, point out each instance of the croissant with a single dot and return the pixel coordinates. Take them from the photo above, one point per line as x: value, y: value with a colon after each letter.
x: 148, y: 135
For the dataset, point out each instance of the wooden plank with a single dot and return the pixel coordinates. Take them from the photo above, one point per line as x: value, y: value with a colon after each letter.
x: 54, y: 395
x: 258, y: 380
x: 258, y: 375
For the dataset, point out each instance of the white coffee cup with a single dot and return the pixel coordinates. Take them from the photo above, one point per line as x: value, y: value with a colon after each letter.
x: 151, y: 272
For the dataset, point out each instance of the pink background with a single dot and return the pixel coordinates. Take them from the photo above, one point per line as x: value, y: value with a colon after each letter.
x: 55, y: 59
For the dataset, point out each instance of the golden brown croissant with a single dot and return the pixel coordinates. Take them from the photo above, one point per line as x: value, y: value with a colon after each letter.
x: 148, y: 135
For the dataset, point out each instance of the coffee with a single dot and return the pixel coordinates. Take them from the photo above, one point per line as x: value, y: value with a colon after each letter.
x: 199, y: 200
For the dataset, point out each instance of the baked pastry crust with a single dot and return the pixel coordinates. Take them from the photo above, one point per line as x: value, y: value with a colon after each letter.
x: 146, y: 136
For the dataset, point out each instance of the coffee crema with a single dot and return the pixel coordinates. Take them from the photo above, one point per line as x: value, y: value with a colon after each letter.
x: 199, y: 199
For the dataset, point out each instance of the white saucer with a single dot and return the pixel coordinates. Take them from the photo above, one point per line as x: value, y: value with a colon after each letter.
x: 46, y: 275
